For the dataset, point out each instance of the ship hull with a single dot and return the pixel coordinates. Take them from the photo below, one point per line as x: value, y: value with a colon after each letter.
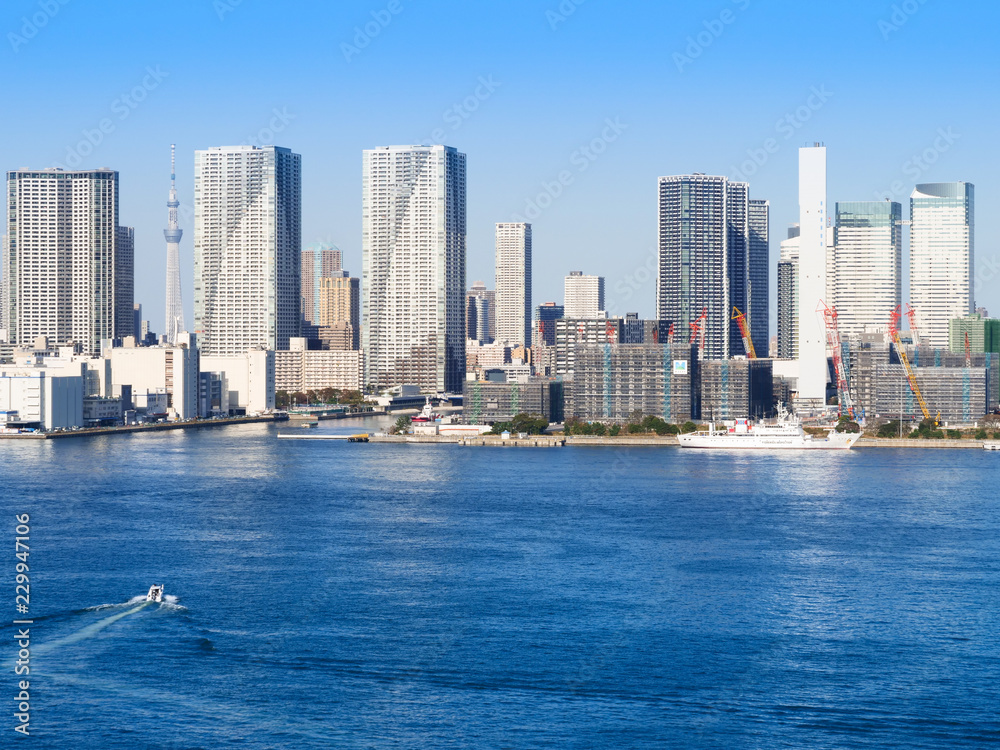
x: 756, y: 442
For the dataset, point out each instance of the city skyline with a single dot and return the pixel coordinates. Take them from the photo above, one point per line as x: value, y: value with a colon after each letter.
x: 873, y: 149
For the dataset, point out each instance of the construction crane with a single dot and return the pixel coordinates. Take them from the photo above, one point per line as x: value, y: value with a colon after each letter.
x: 741, y: 321
x: 968, y: 351
x: 670, y: 334
x: 844, y: 400
x: 910, y: 376
x: 698, y: 329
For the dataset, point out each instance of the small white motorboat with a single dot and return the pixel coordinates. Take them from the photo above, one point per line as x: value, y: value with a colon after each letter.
x: 155, y: 593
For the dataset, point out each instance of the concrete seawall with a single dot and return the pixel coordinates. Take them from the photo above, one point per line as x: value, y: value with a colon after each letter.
x: 159, y: 426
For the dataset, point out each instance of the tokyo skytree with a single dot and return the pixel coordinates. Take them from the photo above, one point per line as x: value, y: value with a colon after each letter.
x: 175, y: 309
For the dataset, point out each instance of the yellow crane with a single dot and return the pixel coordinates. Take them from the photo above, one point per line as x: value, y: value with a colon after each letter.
x: 910, y: 375
x: 741, y: 321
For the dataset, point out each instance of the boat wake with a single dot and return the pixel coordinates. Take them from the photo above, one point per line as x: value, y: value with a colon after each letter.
x: 90, y: 630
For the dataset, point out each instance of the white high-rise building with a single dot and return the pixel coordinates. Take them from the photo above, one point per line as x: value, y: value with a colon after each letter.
x: 64, y: 279
x: 812, y: 275
x: 942, y: 257
x: 413, y: 267
x: 867, y: 260
x: 247, y: 239
x: 583, y: 296
x: 513, y: 295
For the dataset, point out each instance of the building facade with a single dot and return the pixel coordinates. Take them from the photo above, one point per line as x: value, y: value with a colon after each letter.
x: 124, y: 283
x: 583, y: 296
x: 480, y: 313
x: 247, y: 240
x: 788, y: 296
x: 64, y: 278
x: 868, y: 261
x: 615, y: 382
x: 942, y: 256
x: 704, y: 257
x: 513, y: 278
x: 413, y: 279
x: 300, y: 370
x: 340, y: 305
x: 545, y: 323
x: 759, y: 272
x: 319, y: 261
x: 812, y: 288
x: 488, y: 402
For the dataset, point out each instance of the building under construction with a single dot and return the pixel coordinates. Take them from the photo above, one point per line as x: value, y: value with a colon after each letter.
x: 881, y: 389
x: 614, y: 382
x: 489, y: 402
x: 737, y: 389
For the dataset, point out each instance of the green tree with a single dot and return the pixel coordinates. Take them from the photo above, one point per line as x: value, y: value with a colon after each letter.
x: 615, y: 430
x: 846, y: 424
x: 889, y: 429
x: 688, y: 426
x: 281, y: 399
x: 402, y: 425
x: 980, y: 434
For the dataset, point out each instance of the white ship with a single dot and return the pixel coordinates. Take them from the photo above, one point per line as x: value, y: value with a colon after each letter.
x: 783, y: 433
x: 155, y: 593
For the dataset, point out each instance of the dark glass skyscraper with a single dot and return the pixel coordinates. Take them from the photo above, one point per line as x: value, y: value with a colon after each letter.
x: 758, y: 274
x: 706, y: 257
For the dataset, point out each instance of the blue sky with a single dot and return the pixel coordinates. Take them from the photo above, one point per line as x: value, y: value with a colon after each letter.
x: 610, y: 95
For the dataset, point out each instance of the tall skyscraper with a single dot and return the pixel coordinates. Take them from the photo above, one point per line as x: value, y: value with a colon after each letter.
x: 942, y: 257
x: 480, y: 313
x: 812, y: 275
x: 788, y: 295
x: 583, y: 296
x: 867, y: 255
x: 340, y: 304
x: 319, y: 261
x: 174, y: 320
x: 759, y: 272
x: 247, y: 240
x: 513, y: 295
x: 413, y: 276
x: 124, y: 282
x: 64, y: 279
x: 704, y: 257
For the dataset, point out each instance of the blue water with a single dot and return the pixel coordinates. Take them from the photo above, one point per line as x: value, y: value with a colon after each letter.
x: 367, y: 596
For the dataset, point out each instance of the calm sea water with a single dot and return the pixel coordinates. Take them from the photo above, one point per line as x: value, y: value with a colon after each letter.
x: 325, y: 594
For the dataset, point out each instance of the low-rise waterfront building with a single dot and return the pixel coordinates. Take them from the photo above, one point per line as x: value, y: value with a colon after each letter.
x: 490, y: 402
x: 250, y: 379
x: 616, y: 382
x: 302, y: 370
